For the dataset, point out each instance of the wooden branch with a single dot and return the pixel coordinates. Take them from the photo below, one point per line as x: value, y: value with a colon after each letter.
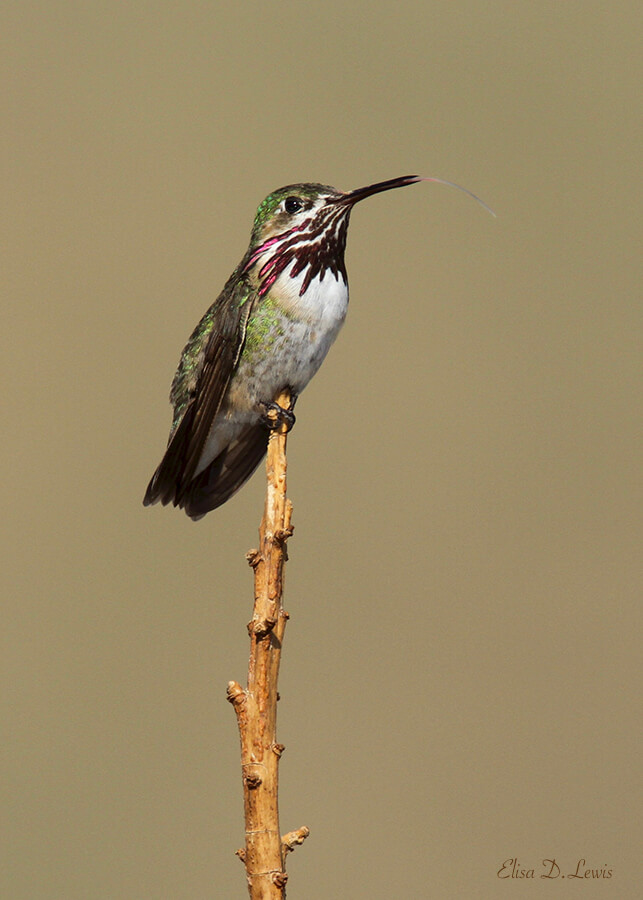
x: 256, y: 707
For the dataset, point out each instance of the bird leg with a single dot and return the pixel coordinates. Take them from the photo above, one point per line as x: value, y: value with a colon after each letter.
x: 273, y: 416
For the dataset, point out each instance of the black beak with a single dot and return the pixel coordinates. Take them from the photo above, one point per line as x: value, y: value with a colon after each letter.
x: 361, y: 193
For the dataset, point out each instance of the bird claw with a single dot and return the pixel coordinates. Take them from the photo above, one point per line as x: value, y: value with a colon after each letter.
x: 274, y: 416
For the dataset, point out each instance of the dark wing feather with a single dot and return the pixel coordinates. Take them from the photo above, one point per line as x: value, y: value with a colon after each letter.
x: 198, y: 390
x: 225, y: 474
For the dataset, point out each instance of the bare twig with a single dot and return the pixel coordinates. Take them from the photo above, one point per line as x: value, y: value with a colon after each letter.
x: 256, y: 706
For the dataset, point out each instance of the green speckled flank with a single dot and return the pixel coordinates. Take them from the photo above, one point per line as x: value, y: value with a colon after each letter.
x: 245, y: 297
x: 264, y: 327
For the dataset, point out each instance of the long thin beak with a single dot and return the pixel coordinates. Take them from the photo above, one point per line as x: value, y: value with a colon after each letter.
x: 361, y: 193
x: 353, y: 197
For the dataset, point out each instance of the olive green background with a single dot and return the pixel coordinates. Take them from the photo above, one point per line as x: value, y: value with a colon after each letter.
x: 461, y: 673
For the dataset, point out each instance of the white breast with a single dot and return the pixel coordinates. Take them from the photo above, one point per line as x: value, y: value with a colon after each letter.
x: 324, y: 304
x: 314, y: 322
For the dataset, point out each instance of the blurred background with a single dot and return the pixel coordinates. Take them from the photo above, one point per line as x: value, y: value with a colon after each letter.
x: 462, y: 666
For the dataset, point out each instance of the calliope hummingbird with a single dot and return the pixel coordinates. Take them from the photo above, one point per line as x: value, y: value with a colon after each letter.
x: 269, y: 329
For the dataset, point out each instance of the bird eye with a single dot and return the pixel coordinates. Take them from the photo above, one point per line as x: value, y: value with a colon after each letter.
x: 292, y: 204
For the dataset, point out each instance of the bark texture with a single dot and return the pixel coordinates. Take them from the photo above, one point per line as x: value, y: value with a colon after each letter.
x: 265, y: 849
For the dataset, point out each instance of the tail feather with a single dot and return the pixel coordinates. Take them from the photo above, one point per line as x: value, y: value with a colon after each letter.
x: 170, y: 472
x: 228, y: 472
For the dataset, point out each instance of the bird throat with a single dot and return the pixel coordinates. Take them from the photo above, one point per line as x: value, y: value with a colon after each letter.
x: 313, y: 247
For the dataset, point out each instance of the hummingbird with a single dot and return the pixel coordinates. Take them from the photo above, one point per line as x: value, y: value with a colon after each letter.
x: 269, y: 329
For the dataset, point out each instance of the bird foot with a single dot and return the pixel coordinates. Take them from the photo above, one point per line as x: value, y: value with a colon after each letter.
x: 274, y: 416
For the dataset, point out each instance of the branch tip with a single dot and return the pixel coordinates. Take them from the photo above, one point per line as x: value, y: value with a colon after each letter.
x: 261, y: 627
x: 282, y: 534
x: 294, y: 838
x: 235, y: 694
x: 253, y: 557
x: 279, y: 879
